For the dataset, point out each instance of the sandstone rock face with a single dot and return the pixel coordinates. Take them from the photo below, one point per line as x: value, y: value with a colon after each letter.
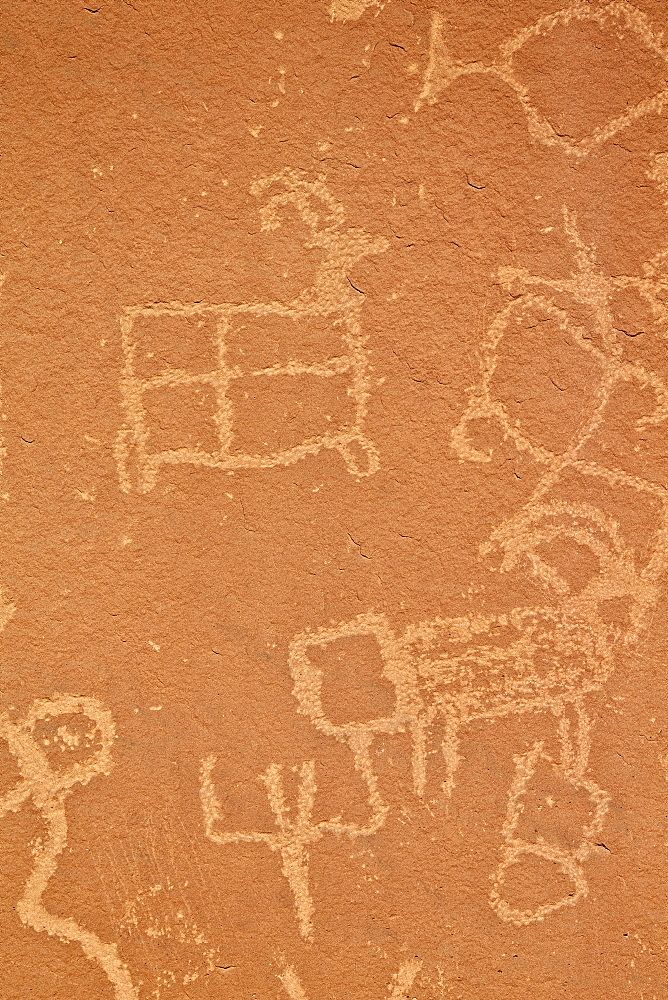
x: 334, y: 501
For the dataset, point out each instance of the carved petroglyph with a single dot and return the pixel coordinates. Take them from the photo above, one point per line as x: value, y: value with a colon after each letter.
x: 201, y: 424
x: 359, y: 736
x: 6, y: 610
x: 397, y: 989
x: 291, y: 983
x: 459, y: 670
x: 550, y: 516
x: 545, y: 518
x: 569, y: 863
x: 403, y: 979
x: 295, y: 833
x: 525, y: 539
x: 350, y: 10
x: 74, y: 727
x: 449, y: 672
x: 621, y: 19
x: 3, y: 450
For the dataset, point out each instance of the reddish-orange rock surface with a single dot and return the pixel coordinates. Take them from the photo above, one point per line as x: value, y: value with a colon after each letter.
x: 334, y: 500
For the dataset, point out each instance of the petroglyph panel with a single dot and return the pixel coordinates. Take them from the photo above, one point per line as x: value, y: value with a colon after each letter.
x: 334, y: 499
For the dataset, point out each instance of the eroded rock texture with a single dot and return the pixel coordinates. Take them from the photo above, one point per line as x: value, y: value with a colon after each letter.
x: 334, y: 500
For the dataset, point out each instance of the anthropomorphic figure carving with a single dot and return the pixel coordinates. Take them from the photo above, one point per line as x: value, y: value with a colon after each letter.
x: 52, y: 731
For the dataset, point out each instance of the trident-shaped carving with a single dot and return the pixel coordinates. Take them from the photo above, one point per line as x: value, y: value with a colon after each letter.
x: 293, y: 837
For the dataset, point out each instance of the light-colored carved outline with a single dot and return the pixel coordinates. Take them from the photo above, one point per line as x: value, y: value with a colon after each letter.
x: 293, y: 838
x: 7, y: 609
x: 351, y: 10
x: 521, y: 535
x: 452, y: 671
x: 543, y: 519
x: 449, y: 680
x: 397, y: 989
x: 442, y: 70
x: 48, y: 790
x: 3, y: 450
x: 359, y: 736
x: 572, y: 767
x: 331, y: 296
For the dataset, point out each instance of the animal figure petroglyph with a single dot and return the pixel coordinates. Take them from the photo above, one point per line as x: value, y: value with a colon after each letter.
x: 47, y: 786
x: 295, y: 834
x: 331, y: 302
x: 621, y: 18
x: 448, y: 672
x: 456, y: 671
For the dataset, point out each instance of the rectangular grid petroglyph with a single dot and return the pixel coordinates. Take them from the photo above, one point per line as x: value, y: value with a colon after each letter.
x: 341, y: 432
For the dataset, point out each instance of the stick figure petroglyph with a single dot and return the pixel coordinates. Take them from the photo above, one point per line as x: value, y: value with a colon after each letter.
x: 294, y: 836
x: 621, y: 18
x: 224, y: 333
x: 83, y: 724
